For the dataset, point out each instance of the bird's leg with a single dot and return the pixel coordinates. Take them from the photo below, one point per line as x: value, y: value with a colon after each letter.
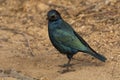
x: 68, y: 64
x: 69, y: 56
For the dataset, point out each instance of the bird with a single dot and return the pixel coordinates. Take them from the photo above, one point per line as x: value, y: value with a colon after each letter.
x: 66, y: 40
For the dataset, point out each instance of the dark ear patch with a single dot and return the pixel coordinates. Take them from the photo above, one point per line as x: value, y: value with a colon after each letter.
x: 53, y: 15
x: 53, y: 12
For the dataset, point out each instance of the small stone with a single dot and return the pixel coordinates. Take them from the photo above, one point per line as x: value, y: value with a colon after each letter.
x: 7, y: 71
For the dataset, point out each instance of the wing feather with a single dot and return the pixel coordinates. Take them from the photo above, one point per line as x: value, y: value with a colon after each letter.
x: 68, y: 39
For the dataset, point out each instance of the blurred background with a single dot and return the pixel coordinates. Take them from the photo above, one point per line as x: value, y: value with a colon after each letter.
x: 27, y: 54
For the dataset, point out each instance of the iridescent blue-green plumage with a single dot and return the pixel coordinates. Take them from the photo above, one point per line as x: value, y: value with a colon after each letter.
x: 65, y: 39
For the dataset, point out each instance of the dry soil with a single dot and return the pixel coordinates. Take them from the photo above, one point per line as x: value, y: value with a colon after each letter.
x: 23, y: 32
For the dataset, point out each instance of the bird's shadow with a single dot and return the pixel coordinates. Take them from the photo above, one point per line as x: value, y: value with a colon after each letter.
x: 83, y: 62
x: 87, y: 62
x: 80, y: 63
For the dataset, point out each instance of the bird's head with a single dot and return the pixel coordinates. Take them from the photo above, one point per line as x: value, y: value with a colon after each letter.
x: 53, y: 15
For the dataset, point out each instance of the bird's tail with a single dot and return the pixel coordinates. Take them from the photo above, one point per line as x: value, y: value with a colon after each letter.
x: 98, y: 56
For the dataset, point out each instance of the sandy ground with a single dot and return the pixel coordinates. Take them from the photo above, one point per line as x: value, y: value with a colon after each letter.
x: 23, y: 30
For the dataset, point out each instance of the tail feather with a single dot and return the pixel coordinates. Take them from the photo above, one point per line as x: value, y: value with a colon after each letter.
x: 98, y: 56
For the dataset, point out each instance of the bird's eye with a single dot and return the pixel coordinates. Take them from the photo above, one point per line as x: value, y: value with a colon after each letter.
x: 53, y: 17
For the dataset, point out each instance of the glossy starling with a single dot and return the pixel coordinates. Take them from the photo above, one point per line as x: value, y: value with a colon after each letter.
x: 65, y: 39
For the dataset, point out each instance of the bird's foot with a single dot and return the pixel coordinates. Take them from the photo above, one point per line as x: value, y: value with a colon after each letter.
x: 66, y: 70
x: 66, y: 65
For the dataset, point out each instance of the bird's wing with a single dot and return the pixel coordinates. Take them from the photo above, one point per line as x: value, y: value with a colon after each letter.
x: 81, y: 39
x: 68, y: 39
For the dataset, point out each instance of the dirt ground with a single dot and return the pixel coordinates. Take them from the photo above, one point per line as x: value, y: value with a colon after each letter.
x: 23, y: 31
